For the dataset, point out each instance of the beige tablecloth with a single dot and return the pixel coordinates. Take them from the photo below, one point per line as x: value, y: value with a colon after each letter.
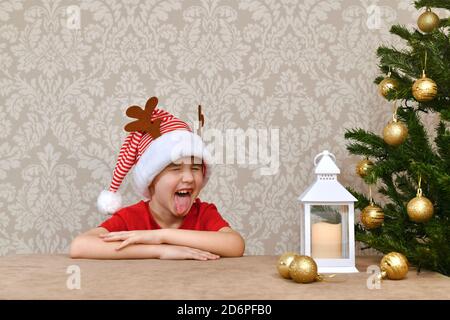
x: 249, y: 277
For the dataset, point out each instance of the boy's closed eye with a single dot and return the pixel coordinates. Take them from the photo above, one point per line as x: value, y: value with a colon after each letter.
x: 176, y: 167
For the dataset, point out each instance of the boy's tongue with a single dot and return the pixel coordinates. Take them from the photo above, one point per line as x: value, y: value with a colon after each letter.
x: 182, y: 203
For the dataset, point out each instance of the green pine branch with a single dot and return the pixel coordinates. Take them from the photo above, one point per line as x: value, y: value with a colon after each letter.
x: 442, y: 141
x: 444, y: 4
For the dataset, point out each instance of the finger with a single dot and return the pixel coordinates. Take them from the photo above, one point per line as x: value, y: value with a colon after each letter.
x: 209, y: 254
x: 123, y: 244
x: 197, y: 256
x: 194, y: 250
x: 120, y: 235
x: 200, y: 257
x: 111, y: 234
x: 117, y: 238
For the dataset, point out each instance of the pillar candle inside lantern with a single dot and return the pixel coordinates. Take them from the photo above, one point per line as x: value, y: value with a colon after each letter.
x: 326, y: 240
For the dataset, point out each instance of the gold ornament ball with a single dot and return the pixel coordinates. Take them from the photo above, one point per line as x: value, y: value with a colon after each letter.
x: 283, y: 264
x: 386, y: 85
x: 395, y: 133
x: 303, y: 269
x: 394, y: 266
x: 363, y: 167
x: 428, y: 21
x: 420, y: 209
x: 372, y: 216
x: 424, y: 89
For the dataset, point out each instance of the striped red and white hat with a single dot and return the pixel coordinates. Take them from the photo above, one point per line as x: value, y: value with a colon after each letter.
x: 150, y: 151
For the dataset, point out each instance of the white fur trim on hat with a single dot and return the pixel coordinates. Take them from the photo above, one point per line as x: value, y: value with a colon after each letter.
x: 168, y: 148
x: 109, y: 202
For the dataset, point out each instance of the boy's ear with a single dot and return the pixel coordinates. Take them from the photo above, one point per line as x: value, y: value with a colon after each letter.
x: 151, y: 189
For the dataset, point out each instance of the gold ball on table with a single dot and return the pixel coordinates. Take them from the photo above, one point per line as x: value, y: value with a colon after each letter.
x: 394, y: 266
x: 283, y: 264
x: 303, y: 269
x: 386, y: 85
x: 428, y: 21
x: 424, y: 89
x: 363, y: 167
x: 395, y: 133
x: 372, y: 216
x: 420, y: 209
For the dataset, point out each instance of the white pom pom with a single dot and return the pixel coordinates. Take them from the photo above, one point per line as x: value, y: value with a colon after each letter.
x: 109, y: 202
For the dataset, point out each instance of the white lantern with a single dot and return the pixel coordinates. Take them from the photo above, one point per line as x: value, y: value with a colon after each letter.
x: 327, y: 222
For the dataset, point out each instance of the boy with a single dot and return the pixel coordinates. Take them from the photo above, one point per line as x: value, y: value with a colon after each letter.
x: 171, y: 166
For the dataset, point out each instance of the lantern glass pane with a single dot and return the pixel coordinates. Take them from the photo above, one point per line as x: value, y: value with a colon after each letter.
x: 329, y: 232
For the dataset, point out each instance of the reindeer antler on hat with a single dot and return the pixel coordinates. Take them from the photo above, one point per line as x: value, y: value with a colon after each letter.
x: 144, y: 122
x: 156, y: 138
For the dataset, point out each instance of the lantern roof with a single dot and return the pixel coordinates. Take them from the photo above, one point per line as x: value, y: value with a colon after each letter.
x: 326, y: 188
x: 326, y: 164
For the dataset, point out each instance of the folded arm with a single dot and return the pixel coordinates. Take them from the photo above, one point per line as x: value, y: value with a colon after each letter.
x: 226, y: 242
x: 90, y: 245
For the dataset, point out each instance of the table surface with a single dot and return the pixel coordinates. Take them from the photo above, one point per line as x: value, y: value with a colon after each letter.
x: 249, y: 277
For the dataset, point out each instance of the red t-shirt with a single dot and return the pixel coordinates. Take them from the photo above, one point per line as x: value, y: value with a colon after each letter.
x: 202, y: 216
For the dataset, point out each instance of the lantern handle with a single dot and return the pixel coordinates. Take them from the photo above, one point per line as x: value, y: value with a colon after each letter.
x: 323, y: 153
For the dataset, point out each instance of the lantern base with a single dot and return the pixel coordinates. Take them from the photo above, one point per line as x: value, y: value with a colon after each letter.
x: 337, y: 269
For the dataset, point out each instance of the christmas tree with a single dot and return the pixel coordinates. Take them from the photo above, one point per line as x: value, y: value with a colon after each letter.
x: 404, y: 164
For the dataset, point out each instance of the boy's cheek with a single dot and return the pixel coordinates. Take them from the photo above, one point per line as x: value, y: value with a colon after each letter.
x: 198, y: 176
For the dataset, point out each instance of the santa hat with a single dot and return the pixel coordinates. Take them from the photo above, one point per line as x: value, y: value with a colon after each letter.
x: 156, y: 139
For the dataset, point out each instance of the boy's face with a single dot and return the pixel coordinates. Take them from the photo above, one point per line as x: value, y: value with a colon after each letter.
x: 176, y: 187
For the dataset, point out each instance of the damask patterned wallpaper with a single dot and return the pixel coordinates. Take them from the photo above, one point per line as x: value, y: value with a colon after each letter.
x: 302, y: 70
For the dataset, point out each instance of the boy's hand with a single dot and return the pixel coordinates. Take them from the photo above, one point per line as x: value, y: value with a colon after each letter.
x: 179, y: 252
x: 133, y: 237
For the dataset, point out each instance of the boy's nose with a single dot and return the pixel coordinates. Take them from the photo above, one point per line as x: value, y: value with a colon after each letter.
x: 187, y: 176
